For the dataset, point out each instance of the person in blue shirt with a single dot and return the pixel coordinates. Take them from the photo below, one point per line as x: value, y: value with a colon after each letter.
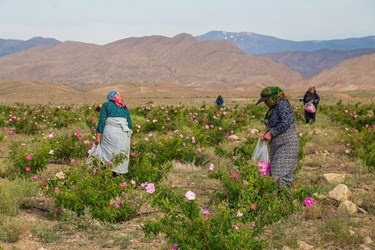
x: 219, y: 101
x: 114, y: 130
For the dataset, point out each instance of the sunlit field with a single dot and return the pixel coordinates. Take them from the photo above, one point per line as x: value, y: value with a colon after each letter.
x: 191, y: 184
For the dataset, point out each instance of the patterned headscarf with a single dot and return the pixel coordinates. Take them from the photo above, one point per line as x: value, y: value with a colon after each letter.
x: 115, y: 97
x: 271, y: 95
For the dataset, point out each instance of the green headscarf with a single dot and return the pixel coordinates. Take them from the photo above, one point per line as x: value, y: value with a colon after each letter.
x: 272, y: 95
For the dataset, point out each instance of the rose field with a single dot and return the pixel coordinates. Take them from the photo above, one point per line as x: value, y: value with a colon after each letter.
x: 191, y: 183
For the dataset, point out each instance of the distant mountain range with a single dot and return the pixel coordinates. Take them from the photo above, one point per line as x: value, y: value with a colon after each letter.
x: 9, y: 46
x: 192, y: 63
x: 149, y: 60
x: 256, y: 44
x: 309, y: 64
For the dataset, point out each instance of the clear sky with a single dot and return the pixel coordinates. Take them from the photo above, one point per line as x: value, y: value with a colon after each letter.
x: 104, y: 21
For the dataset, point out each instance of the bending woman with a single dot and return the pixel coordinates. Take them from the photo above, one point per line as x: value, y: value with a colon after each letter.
x: 281, y: 135
x: 114, y: 130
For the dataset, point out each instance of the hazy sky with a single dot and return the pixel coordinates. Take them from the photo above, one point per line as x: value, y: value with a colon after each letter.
x: 104, y: 21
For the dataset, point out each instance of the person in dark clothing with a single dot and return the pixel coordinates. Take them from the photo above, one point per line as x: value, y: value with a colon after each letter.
x: 281, y: 135
x: 311, y: 97
x: 219, y: 101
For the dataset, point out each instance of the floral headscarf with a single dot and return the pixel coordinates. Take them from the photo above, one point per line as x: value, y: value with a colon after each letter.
x: 271, y: 95
x: 115, y: 97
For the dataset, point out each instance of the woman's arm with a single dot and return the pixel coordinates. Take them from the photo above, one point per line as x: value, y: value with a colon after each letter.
x: 285, y: 117
x: 127, y: 116
x: 101, y: 123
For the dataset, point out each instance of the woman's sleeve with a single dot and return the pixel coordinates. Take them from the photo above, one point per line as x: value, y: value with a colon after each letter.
x: 102, y: 118
x: 127, y: 116
x: 304, y: 99
x: 286, y: 118
x: 317, y: 96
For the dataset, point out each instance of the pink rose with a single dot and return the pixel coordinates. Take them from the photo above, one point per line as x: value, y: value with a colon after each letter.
x: 57, y: 190
x: 122, y: 184
x: 205, y: 212
x: 27, y: 168
x: 28, y: 157
x: 150, y: 188
x: 309, y: 202
x: 234, y: 175
x: 190, y: 195
x: 212, y: 167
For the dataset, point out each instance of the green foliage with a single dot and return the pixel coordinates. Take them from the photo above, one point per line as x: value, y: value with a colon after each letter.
x: 13, y: 193
x: 27, y: 163
x: 359, y: 133
x: 94, y: 188
x: 248, y: 203
x: 186, y: 227
x: 11, y: 230
x: 70, y: 146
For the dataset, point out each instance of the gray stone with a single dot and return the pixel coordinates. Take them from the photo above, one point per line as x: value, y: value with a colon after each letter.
x: 233, y: 138
x: 347, y: 208
x: 340, y: 193
x: 304, y: 246
x: 334, y: 178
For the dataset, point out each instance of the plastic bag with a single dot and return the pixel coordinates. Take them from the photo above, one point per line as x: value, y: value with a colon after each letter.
x: 309, y: 107
x: 261, y: 157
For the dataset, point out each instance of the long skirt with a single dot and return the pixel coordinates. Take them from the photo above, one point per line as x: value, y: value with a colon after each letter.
x: 284, y: 154
x: 115, y: 140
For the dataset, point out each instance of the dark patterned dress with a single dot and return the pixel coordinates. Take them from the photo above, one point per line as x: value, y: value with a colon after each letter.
x: 284, y: 145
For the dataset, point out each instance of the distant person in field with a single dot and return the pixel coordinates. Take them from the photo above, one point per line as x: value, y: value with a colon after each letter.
x: 311, y: 98
x: 219, y: 101
x: 114, y: 130
x: 281, y: 134
x: 99, y: 107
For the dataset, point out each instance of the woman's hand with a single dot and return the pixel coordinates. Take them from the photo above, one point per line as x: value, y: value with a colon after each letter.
x: 98, y: 138
x: 266, y: 136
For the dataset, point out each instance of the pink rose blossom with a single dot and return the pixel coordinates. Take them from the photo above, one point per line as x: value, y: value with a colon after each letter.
x: 133, y: 153
x: 212, y: 167
x: 132, y: 182
x: 57, y: 190
x: 144, y: 185
x: 175, y: 246
x: 347, y: 151
x: 34, y: 178
x: 253, y: 206
x: 28, y: 157
x: 207, y: 127
x: 122, y: 184
x: 309, y: 202
x: 50, y: 136
x: 150, y: 188
x: 58, y: 210
x: 94, y: 171
x: 190, y: 195
x: 86, y: 142
x: 27, y: 168
x: 44, y: 182
x: 239, y: 214
x: 205, y: 212
x: 234, y: 175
